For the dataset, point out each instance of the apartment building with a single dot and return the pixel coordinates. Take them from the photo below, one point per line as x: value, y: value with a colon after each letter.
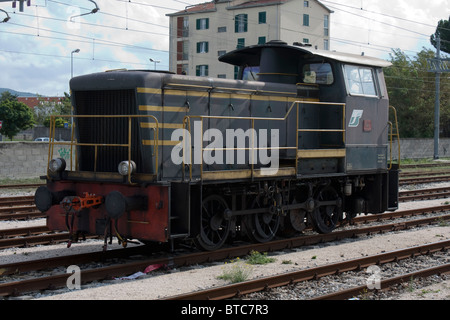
x: 201, y: 33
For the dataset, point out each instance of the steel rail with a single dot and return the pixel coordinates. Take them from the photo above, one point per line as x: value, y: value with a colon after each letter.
x: 51, y: 238
x: 55, y: 281
x: 386, y: 283
x: 239, y: 289
x: 27, y: 231
x: 15, y: 186
x: 27, y: 214
x: 407, y: 181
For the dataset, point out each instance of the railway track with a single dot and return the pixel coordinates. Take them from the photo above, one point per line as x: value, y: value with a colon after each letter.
x: 23, y: 207
x: 240, y: 289
x: 18, y: 208
x: 117, y: 270
x: 40, y: 235
x: 106, y: 272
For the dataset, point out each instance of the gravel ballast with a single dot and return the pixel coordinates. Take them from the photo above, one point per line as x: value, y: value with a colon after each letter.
x: 161, y: 284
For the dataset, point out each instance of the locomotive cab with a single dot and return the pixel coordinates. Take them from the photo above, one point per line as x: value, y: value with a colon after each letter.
x: 353, y: 140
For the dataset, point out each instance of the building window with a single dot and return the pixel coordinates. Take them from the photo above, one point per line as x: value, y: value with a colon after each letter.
x: 306, y: 20
x: 201, y: 70
x: 326, y: 44
x: 240, y: 23
x: 261, y: 40
x: 222, y: 29
x: 203, y: 24
x: 221, y: 52
x: 182, y: 50
x: 306, y: 4
x: 236, y: 72
x: 182, y: 69
x: 202, y: 47
x: 305, y: 40
x: 185, y: 50
x: 222, y: 76
x: 262, y: 17
x: 183, y: 27
x: 326, y: 28
x: 240, y: 43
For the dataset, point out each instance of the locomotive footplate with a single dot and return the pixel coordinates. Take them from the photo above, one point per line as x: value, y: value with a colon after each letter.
x: 126, y: 211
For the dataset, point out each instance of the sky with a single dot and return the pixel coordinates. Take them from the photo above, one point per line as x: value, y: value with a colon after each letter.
x: 36, y: 45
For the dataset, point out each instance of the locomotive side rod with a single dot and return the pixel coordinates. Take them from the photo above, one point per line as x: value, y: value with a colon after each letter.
x: 309, y: 205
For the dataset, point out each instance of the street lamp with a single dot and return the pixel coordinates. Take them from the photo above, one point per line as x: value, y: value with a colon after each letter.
x: 71, y: 61
x: 155, y: 61
x: 71, y: 76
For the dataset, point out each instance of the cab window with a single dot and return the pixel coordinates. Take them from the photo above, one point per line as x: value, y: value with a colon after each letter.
x: 250, y: 73
x: 317, y: 73
x: 360, y: 80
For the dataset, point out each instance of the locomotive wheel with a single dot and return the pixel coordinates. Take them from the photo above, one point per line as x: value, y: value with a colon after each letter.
x: 325, y: 218
x: 261, y: 227
x: 214, y: 227
x: 294, y: 221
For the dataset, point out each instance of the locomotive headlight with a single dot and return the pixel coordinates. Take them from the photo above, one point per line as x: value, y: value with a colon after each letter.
x: 124, y: 166
x: 57, y: 165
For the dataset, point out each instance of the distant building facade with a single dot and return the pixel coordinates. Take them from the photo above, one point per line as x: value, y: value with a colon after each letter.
x: 202, y: 33
x: 33, y: 102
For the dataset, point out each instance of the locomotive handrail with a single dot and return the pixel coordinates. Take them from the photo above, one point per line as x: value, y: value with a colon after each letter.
x: 391, y: 135
x: 73, y: 142
x: 187, y: 124
x: 211, y: 88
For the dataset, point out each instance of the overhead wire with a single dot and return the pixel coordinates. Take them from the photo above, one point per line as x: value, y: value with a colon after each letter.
x: 230, y: 16
x: 159, y: 25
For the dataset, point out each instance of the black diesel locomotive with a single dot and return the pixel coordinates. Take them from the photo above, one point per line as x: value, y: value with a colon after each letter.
x: 302, y: 138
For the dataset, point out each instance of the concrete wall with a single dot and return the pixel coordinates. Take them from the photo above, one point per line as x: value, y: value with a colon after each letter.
x: 421, y: 148
x: 29, y: 159
x: 19, y: 160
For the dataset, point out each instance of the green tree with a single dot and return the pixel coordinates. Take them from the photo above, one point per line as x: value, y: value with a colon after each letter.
x: 15, y: 115
x: 7, y: 96
x: 411, y: 91
x: 45, y: 109
x: 442, y: 30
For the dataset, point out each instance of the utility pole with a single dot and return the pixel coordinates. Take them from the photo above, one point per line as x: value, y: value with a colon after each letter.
x: 437, y: 101
x: 437, y: 66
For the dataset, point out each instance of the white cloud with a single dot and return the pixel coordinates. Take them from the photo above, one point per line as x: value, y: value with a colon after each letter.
x: 36, y: 45
x: 377, y: 26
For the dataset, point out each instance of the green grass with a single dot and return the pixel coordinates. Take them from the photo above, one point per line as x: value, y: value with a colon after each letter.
x: 256, y: 257
x: 238, y: 272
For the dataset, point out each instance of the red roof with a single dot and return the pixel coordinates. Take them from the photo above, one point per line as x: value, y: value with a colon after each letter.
x: 32, y: 102
x: 210, y: 6
x: 259, y: 3
x: 201, y: 7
